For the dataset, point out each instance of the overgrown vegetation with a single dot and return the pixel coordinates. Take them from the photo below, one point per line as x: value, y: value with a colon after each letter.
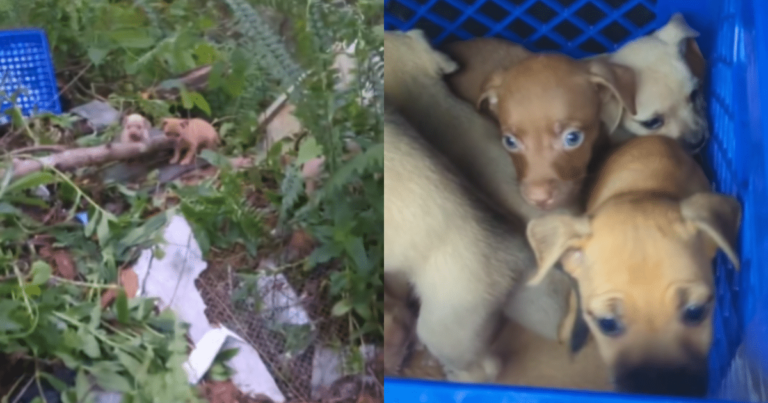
x: 117, y: 49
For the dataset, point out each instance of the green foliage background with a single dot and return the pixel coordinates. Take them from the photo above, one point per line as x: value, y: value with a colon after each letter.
x: 117, y: 48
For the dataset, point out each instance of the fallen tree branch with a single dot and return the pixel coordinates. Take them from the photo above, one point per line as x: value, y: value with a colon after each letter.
x: 87, y: 156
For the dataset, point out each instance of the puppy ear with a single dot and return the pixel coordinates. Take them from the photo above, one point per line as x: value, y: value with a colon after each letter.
x: 442, y: 63
x: 550, y: 309
x: 717, y: 216
x: 618, y: 90
x: 675, y: 30
x: 678, y: 33
x: 489, y: 98
x: 552, y: 236
x: 184, y: 123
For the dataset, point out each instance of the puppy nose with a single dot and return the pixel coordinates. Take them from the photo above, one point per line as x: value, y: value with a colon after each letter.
x: 541, y: 195
x: 667, y: 381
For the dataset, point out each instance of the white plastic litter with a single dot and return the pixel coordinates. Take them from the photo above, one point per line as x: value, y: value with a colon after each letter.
x: 172, y: 280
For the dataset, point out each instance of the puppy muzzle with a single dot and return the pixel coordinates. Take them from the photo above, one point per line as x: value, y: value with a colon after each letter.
x: 685, y: 381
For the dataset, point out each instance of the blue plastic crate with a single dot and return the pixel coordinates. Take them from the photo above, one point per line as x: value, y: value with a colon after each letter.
x: 734, y: 39
x: 26, y: 65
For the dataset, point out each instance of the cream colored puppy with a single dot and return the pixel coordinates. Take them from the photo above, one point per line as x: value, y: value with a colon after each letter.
x: 670, y: 72
x: 461, y: 258
x: 642, y: 256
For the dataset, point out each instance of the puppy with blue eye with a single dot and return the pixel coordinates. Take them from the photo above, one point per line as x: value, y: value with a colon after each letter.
x: 642, y: 258
x: 555, y: 114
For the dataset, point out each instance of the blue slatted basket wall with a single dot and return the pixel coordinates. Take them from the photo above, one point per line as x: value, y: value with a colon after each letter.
x: 734, y: 39
x: 26, y: 71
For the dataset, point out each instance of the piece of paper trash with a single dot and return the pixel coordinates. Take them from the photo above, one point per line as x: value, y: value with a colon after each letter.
x: 171, y: 279
x: 281, y: 303
x: 205, y: 351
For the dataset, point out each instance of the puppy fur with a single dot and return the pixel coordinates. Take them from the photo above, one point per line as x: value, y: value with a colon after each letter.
x: 461, y: 277
x: 135, y: 129
x: 478, y: 58
x: 553, y: 112
x: 528, y: 359
x: 540, y: 101
x: 414, y: 86
x: 190, y: 134
x: 399, y: 322
x: 670, y: 72
x: 642, y: 256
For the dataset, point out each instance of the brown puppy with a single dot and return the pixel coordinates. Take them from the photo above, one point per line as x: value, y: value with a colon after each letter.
x: 478, y: 58
x: 414, y: 86
x: 553, y: 112
x: 642, y: 258
x: 135, y: 129
x: 190, y: 134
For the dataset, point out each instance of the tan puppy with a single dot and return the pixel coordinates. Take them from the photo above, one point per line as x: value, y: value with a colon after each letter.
x: 414, y: 86
x: 461, y: 258
x: 529, y: 360
x: 555, y: 113
x: 135, y: 129
x: 642, y: 258
x: 190, y: 134
x: 670, y: 74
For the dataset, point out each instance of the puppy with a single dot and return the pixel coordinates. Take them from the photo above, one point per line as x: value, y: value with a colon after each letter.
x: 478, y: 58
x: 461, y: 258
x: 670, y: 72
x: 399, y: 323
x: 135, y: 129
x: 414, y: 86
x: 190, y: 134
x: 641, y: 256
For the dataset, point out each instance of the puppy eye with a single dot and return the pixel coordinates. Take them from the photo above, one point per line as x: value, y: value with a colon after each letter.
x: 693, y: 315
x: 653, y: 124
x: 573, y: 139
x: 610, y: 327
x: 510, y: 142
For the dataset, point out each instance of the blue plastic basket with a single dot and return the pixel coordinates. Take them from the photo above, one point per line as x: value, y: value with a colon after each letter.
x: 26, y: 67
x: 734, y: 39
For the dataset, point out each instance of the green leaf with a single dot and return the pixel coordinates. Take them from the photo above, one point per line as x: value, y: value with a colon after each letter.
x: 97, y: 55
x: 32, y: 180
x: 228, y: 354
x: 121, y: 305
x: 201, y: 103
x: 82, y: 385
x: 55, y: 382
x: 186, y: 98
x: 7, y: 323
x: 90, y: 345
x: 308, y: 150
x: 102, y: 231
x: 341, y: 308
x: 41, y: 272
x: 135, y: 38
x: 324, y: 253
x: 111, y: 381
x: 95, y: 317
x: 215, y: 159
x: 90, y: 228
x: 205, y: 53
x: 131, y: 364
x: 356, y: 250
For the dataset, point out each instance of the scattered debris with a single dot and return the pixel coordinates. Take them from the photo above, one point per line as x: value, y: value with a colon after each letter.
x: 329, y: 378
x: 98, y: 115
x: 172, y: 280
